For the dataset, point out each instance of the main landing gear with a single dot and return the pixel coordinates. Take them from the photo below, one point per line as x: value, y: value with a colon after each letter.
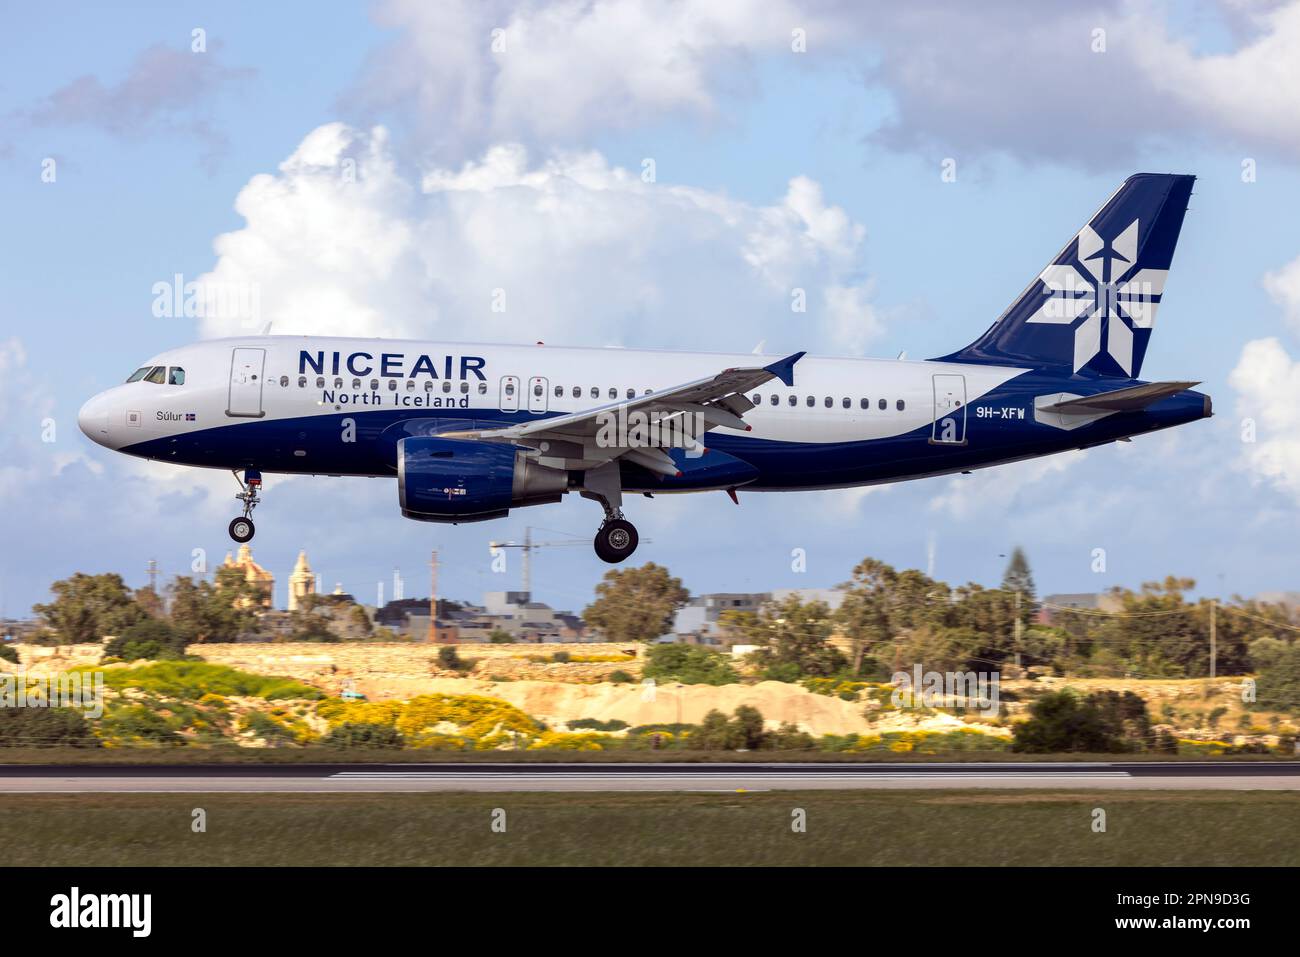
x: 616, y: 539
x: 242, y: 528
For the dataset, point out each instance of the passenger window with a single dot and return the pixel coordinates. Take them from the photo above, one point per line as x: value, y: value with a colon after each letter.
x: 756, y: 399
x: 428, y: 386
x: 882, y: 405
x: 338, y: 383
x: 537, y: 389
x: 811, y: 401
x: 776, y: 399
x: 794, y: 400
x: 482, y: 388
x: 577, y: 392
x: 510, y: 388
x: 829, y: 402
x: 392, y: 385
x: 284, y: 382
x: 899, y: 405
x: 464, y: 387
x: 559, y: 392
x: 155, y: 375
x: 410, y: 385
x: 374, y: 384
x: 446, y: 385
x: 631, y: 393
x: 302, y: 382
x: 595, y: 392
x: 139, y: 374
x: 865, y: 403
x: 176, y: 376
x: 320, y: 382
x: 356, y: 383
x: 847, y: 403
x: 613, y: 393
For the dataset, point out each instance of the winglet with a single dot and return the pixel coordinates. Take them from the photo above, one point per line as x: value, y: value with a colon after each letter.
x: 783, y: 369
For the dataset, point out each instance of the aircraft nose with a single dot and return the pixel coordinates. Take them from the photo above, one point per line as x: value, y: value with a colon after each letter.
x: 93, y: 419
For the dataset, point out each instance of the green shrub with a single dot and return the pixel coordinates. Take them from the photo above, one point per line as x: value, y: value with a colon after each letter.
x: 361, y: 734
x: 137, y: 724
x: 190, y: 680
x: 620, y: 677
x: 45, y: 728
x: 8, y: 654
x: 561, y: 657
x: 150, y: 638
x: 595, y: 724
x: 688, y: 664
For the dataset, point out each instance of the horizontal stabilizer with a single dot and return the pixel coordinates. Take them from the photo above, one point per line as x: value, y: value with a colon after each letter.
x: 1134, y: 398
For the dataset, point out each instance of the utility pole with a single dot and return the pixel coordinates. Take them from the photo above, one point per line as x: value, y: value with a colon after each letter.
x: 1019, y: 632
x: 528, y: 562
x: 1214, y: 624
x: 433, y: 597
x: 152, y: 568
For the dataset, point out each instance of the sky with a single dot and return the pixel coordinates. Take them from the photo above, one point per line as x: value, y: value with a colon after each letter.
x: 660, y: 174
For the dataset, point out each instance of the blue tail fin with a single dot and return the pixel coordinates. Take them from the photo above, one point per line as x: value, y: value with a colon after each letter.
x: 1091, y: 310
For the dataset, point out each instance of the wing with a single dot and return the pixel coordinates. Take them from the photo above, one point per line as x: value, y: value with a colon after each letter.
x: 592, y: 437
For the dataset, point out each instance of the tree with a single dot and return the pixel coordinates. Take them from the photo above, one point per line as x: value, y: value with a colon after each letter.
x: 214, y: 611
x: 793, y: 639
x: 1018, y: 578
x: 1278, y: 687
x: 88, y: 607
x: 636, y: 604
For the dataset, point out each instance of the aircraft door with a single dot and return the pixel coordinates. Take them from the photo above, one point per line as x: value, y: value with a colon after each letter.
x: 537, y: 394
x: 245, y: 398
x: 509, y: 398
x: 949, y: 410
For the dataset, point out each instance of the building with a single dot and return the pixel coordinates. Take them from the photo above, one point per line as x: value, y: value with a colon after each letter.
x: 302, y: 581
x: 254, y: 574
x: 698, y: 622
x: 1052, y: 605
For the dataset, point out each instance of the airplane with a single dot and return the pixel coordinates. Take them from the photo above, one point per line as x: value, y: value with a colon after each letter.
x: 472, y: 431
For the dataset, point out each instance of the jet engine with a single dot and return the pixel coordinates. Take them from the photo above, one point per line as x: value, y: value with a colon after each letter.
x: 460, y: 480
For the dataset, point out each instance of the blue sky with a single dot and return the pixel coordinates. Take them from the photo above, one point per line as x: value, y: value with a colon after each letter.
x: 154, y: 146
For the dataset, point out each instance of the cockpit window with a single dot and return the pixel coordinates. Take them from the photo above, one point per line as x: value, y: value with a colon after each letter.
x: 139, y: 374
x: 176, y: 376
x: 156, y: 375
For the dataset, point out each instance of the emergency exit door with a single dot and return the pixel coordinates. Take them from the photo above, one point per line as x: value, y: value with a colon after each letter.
x: 246, y: 370
x: 949, y: 410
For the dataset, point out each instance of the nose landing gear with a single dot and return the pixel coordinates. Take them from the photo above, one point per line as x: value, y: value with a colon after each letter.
x: 242, y: 528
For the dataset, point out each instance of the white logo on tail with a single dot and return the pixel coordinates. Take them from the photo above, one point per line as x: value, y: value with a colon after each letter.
x: 1116, y: 295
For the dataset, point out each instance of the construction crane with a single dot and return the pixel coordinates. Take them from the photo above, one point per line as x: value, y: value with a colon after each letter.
x: 528, y: 546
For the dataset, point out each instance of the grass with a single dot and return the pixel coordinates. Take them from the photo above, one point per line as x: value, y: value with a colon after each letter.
x: 932, y: 828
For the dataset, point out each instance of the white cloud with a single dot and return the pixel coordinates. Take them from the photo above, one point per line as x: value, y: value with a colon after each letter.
x: 997, y: 490
x: 1267, y: 382
x: 585, y: 253
x: 562, y: 69
x: 1284, y: 286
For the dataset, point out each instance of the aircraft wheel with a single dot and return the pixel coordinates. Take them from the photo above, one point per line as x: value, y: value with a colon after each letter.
x: 241, y: 530
x: 616, y: 541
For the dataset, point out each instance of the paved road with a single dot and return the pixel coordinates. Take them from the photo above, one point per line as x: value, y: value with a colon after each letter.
x: 1266, y: 775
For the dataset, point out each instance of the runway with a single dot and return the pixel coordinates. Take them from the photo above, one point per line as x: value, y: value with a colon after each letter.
x: 720, y: 777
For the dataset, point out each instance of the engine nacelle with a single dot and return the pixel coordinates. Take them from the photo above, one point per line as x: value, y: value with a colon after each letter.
x: 460, y: 480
